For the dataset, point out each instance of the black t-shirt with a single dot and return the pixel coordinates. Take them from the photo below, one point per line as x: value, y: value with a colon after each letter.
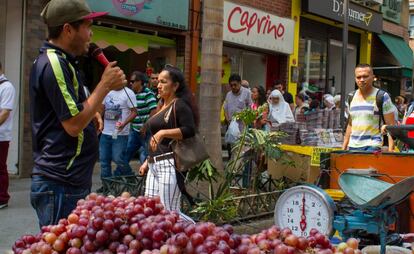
x: 288, y: 97
x: 56, y: 94
x: 165, y: 120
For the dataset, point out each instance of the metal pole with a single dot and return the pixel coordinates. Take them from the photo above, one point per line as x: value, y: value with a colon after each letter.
x: 344, y: 55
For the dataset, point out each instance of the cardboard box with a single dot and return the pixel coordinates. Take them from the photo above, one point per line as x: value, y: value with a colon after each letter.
x: 301, y: 171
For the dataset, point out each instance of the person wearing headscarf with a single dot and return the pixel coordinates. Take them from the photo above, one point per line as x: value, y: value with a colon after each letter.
x: 328, y: 101
x: 279, y: 109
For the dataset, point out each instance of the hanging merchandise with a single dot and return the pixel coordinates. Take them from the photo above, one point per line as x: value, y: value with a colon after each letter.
x: 149, y: 70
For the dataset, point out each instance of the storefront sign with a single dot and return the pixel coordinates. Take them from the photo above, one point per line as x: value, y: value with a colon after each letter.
x: 358, y: 15
x: 172, y: 14
x: 391, y: 10
x: 254, y: 28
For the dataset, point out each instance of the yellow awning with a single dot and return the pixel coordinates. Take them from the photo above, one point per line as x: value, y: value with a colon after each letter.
x: 123, y: 40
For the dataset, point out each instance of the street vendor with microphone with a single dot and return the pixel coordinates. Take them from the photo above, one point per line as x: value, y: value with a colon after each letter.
x: 65, y: 143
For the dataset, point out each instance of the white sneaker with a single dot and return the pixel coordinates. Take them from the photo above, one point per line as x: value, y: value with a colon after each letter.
x: 3, y: 205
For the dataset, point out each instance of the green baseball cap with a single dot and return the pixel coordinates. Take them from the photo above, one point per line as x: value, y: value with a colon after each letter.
x: 59, y: 12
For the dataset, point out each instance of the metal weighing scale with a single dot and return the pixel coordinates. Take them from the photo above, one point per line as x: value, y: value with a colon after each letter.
x: 304, y: 207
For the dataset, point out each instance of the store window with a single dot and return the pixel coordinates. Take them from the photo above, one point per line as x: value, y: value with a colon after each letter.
x: 250, y: 65
x: 312, y: 63
x: 412, y: 26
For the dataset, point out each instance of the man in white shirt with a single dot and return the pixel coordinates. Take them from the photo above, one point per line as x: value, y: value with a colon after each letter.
x: 7, y: 94
x: 119, y: 111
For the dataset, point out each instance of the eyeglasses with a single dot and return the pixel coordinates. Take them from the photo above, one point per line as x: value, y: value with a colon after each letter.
x: 233, y: 84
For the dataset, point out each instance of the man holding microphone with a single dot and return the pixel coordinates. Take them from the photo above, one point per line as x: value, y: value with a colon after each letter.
x: 65, y: 143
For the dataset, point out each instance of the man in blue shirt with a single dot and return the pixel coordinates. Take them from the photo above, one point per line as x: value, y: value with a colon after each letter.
x: 65, y: 143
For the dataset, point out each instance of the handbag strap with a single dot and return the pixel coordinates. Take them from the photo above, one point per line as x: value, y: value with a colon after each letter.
x: 175, y: 115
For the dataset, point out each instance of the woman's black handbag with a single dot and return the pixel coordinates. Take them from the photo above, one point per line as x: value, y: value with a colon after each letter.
x: 188, y: 152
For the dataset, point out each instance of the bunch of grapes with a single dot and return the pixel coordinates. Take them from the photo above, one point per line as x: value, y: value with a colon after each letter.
x: 102, y: 224
x: 133, y: 225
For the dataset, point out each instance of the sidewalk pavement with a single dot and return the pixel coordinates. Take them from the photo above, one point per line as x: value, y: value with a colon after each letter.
x: 19, y: 217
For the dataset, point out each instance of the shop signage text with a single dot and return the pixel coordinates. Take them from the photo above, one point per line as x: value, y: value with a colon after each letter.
x: 358, y: 16
x: 147, y: 11
x: 255, y: 28
x: 391, y: 10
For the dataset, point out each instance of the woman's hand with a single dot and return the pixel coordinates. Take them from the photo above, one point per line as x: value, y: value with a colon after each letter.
x: 144, y: 168
x: 156, y: 139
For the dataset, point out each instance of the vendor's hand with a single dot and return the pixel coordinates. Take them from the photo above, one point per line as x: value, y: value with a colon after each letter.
x: 156, y: 139
x: 113, y: 77
x: 143, y: 169
x: 98, y: 123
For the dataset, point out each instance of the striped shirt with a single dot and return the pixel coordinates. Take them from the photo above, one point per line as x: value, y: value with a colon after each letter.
x: 146, y: 102
x: 365, y: 119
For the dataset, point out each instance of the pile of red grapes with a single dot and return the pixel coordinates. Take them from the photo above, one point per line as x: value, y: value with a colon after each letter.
x: 133, y: 225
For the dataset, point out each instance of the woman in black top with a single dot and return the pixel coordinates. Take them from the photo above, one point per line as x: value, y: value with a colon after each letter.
x: 175, y: 120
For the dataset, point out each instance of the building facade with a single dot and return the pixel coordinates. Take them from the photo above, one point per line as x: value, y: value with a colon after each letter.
x: 319, y: 58
x: 263, y: 41
x: 392, y: 58
x: 141, y: 36
x: 258, y: 37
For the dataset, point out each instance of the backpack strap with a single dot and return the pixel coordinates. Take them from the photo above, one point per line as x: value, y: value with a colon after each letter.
x: 3, y: 81
x: 350, y: 98
x: 379, y: 100
x: 410, y: 109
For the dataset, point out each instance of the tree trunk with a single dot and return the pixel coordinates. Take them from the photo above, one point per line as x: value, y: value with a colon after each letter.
x: 210, y: 87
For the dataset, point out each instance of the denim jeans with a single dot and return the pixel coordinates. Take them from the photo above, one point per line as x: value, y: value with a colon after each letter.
x: 53, y: 200
x: 137, y: 143
x: 113, y: 150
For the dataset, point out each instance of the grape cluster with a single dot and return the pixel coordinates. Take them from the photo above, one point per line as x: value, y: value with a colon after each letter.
x: 133, y: 225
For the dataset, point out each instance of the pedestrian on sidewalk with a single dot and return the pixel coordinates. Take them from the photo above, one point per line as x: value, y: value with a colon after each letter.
x: 153, y: 83
x: 146, y: 105
x: 176, y: 119
x: 237, y: 99
x: 369, y: 109
x: 7, y: 95
x: 119, y: 111
x: 281, y: 86
x: 65, y: 142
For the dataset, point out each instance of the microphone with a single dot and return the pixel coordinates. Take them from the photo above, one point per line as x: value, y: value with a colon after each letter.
x: 97, y: 53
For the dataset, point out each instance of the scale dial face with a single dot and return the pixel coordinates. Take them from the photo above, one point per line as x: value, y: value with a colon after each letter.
x: 304, y: 207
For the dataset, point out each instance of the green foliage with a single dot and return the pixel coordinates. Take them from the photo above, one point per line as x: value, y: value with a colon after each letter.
x: 260, y: 141
x: 221, y: 209
x: 205, y: 171
x: 253, y: 144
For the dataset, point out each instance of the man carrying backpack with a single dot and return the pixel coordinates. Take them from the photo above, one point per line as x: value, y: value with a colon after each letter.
x: 369, y: 108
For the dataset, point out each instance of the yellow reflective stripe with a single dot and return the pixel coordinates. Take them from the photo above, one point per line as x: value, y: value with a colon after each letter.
x: 60, y: 78
x: 78, y: 150
x: 75, y: 81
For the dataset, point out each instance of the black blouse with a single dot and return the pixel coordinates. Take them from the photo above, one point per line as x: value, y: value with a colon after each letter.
x: 165, y: 119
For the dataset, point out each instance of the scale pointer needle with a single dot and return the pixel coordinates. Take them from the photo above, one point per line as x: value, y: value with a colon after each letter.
x: 303, y: 217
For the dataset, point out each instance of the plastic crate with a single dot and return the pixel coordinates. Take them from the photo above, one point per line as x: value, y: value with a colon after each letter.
x: 133, y: 184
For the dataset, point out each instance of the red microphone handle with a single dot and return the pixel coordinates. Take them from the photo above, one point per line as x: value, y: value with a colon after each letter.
x: 102, y: 59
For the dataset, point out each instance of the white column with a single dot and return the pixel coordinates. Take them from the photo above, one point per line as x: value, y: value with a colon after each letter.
x: 12, y: 69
